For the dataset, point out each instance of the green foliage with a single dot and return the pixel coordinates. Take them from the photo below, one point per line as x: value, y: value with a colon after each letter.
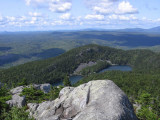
x: 54, y: 93
x: 55, y: 69
x: 17, y: 114
x: 4, y: 96
x: 147, y: 111
x: 37, y: 96
x: 24, y: 82
x: 66, y: 81
x: 4, y: 90
x: 144, y: 99
x: 33, y: 95
x: 146, y: 114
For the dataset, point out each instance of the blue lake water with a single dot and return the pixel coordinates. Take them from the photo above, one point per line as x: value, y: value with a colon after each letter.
x: 73, y: 80
x: 76, y: 78
x: 117, y: 67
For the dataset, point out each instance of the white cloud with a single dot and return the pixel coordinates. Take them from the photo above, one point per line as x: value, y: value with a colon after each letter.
x: 36, y: 2
x: 35, y: 14
x: 11, y: 18
x: 126, y: 8
x: 111, y: 6
x: 122, y: 17
x: 34, y: 18
x: 60, y: 6
x: 52, y: 5
x: 114, y: 17
x: 102, y: 10
x: 66, y: 16
x: 22, y: 18
x: 1, y: 18
x: 101, y: 6
x: 104, y: 6
x: 94, y: 17
x: 158, y: 20
x: 27, y: 2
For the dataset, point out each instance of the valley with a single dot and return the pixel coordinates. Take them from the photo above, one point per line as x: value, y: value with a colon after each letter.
x: 21, y: 47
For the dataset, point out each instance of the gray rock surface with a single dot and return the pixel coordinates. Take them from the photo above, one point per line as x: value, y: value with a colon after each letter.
x: 84, y: 65
x: 20, y: 101
x: 17, y: 90
x: 95, y: 100
x: 17, y: 100
x: 44, y: 87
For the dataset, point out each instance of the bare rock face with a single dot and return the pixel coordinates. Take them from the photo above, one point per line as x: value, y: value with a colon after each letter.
x: 95, y: 100
x: 44, y: 87
x: 17, y: 100
x: 20, y: 101
x: 17, y: 90
x: 84, y: 65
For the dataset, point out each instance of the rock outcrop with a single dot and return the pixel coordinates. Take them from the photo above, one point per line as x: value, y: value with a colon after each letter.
x: 20, y: 101
x: 44, y: 87
x: 84, y: 65
x: 17, y: 90
x: 95, y: 100
x: 17, y: 100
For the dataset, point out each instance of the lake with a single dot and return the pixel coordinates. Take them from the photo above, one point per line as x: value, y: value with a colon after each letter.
x: 117, y: 67
x: 73, y: 80
x: 76, y: 78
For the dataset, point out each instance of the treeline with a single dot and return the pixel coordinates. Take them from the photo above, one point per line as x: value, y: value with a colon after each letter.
x: 55, y: 69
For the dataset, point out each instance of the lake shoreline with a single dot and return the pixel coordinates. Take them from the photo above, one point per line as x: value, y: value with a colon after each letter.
x: 74, y: 78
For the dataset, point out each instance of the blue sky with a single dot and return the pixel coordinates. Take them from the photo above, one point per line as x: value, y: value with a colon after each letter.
x: 39, y: 15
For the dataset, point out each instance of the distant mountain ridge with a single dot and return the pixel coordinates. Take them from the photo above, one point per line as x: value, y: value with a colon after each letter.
x: 154, y: 29
x: 151, y: 30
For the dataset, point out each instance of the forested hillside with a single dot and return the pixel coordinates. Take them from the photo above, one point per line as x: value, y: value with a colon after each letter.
x: 55, y: 69
x: 20, y: 47
x: 141, y: 84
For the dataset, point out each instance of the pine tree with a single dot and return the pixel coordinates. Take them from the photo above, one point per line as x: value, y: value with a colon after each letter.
x: 66, y: 81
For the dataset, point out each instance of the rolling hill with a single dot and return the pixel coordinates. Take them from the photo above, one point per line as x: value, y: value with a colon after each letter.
x: 20, y: 47
x: 55, y: 69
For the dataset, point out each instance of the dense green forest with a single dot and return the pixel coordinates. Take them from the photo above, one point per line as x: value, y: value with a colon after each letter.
x: 55, y: 69
x: 141, y: 84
